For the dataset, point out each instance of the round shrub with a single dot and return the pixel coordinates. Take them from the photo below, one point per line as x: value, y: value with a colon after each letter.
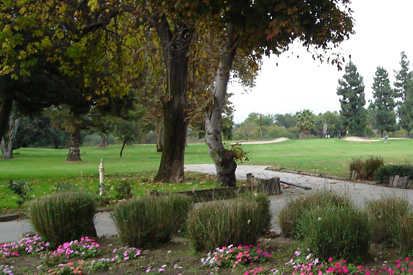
x: 293, y: 211
x: 385, y: 216
x: 338, y: 232
x: 151, y: 220
x: 219, y: 223
x: 64, y: 216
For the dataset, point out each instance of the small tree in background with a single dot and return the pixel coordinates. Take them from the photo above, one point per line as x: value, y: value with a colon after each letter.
x: 305, y: 122
x: 383, y: 104
x: 351, y: 90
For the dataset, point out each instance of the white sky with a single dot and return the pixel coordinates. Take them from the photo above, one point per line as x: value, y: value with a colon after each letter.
x: 383, y: 29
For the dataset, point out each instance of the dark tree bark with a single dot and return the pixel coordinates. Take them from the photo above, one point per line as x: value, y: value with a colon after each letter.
x: 74, y: 145
x: 224, y: 159
x: 125, y: 141
x: 103, y: 140
x: 6, y: 103
x: 175, y: 48
x: 159, y: 135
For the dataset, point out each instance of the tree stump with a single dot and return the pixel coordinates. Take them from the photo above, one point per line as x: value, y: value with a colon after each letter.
x: 250, y: 180
x: 396, y: 181
x: 269, y: 186
x: 404, y: 182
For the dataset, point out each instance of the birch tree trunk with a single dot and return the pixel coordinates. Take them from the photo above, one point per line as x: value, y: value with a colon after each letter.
x: 224, y: 159
x: 175, y: 48
x: 159, y: 135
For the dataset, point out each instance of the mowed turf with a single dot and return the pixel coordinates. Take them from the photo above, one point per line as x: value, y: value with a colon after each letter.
x: 43, y: 168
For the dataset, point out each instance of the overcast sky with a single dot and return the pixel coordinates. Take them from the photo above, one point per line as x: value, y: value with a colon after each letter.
x: 383, y: 29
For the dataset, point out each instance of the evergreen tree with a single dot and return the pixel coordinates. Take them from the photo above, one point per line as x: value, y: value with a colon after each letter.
x: 383, y: 104
x: 406, y: 108
x: 351, y: 90
x: 403, y: 89
x: 402, y: 77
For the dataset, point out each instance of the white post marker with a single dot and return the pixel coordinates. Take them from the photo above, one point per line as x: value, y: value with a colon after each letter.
x: 101, y: 174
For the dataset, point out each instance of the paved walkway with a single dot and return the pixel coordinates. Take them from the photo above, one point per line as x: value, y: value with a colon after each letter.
x: 358, y: 192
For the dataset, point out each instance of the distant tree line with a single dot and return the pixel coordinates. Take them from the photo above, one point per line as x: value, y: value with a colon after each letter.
x: 390, y: 112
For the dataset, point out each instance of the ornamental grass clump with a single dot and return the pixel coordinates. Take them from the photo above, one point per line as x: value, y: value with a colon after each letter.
x: 220, y: 223
x: 406, y: 235
x: 293, y: 211
x: 151, y: 220
x: 336, y: 231
x: 64, y: 216
x: 385, y: 217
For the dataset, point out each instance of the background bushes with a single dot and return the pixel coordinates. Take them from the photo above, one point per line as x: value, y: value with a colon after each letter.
x: 365, y: 169
x: 151, y: 220
x: 219, y: 223
x: 341, y: 232
x: 383, y: 174
x: 291, y: 214
x: 64, y: 216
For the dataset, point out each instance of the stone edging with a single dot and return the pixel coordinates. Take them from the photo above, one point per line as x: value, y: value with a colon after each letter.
x: 16, y: 216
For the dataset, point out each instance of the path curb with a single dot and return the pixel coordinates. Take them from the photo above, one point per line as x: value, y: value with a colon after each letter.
x: 16, y: 216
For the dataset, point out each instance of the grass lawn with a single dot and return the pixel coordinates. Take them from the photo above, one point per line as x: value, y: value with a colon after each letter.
x: 43, y: 168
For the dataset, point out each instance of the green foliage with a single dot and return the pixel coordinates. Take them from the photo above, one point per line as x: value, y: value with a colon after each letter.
x: 64, y: 217
x: 295, y: 209
x: 123, y: 190
x: 22, y: 189
x: 305, y: 121
x: 383, y: 174
x: 239, y: 153
x: 384, y: 102
x: 386, y: 216
x: 366, y: 169
x: 406, y: 233
x: 219, y: 223
x: 336, y: 231
x: 351, y: 90
x: 150, y: 220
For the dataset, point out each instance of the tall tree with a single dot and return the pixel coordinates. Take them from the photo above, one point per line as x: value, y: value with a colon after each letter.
x: 402, y: 87
x: 352, y: 101
x: 406, y: 108
x: 257, y: 28
x: 383, y: 102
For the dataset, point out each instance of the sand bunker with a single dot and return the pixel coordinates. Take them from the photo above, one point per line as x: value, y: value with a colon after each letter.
x: 360, y: 139
x: 277, y: 140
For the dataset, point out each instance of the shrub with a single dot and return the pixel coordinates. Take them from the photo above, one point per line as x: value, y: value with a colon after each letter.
x: 340, y: 232
x: 383, y: 174
x: 293, y: 211
x: 64, y: 217
x: 150, y: 220
x: 406, y: 233
x: 365, y: 169
x: 219, y: 223
x: 123, y: 190
x: 385, y: 216
x: 21, y: 189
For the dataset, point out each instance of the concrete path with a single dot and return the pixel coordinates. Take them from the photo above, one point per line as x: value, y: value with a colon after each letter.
x: 360, y: 193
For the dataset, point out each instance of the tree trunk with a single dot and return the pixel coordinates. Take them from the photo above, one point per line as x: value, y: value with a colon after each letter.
x: 175, y: 50
x: 74, y: 144
x: 159, y: 135
x: 224, y: 159
x: 103, y: 140
x: 6, y: 104
x: 6, y: 145
x: 123, y: 146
